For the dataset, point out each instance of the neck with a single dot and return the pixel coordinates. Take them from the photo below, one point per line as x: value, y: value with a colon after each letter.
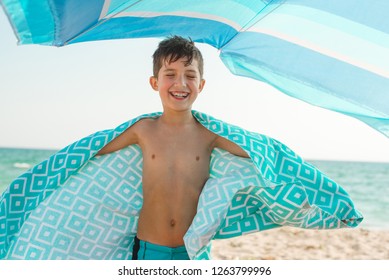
x: 177, y: 118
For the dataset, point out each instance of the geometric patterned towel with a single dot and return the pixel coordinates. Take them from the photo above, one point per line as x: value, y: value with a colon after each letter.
x: 76, y: 205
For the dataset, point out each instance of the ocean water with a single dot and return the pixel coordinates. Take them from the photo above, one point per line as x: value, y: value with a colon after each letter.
x: 368, y: 185
x: 366, y: 182
x: 14, y: 162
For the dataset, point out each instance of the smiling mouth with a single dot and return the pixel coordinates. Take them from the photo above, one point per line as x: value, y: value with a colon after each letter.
x: 179, y: 95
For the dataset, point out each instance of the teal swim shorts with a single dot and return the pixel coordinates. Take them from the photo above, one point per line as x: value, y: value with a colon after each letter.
x: 143, y: 250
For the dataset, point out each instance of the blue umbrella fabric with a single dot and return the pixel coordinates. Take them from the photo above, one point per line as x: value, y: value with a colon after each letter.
x: 332, y: 54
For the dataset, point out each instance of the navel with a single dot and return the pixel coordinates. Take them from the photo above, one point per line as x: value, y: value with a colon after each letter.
x: 197, y: 158
x: 152, y: 156
x: 172, y: 222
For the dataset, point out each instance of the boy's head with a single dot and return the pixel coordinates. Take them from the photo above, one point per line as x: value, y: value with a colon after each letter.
x: 174, y: 48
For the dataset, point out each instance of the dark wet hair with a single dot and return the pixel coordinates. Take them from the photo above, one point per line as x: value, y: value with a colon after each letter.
x: 174, y: 48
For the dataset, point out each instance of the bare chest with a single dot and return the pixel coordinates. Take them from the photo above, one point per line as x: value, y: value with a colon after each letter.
x: 176, y: 157
x: 177, y: 151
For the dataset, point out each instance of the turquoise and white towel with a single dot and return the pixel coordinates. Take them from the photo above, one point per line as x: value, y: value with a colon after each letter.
x: 78, y: 206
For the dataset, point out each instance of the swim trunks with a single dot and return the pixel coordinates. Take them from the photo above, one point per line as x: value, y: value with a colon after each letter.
x: 143, y: 250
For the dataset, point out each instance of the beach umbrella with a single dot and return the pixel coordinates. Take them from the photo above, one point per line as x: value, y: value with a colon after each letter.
x: 332, y: 54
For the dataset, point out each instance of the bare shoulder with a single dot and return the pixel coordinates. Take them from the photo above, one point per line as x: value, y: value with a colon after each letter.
x: 145, y: 123
x: 140, y: 129
x: 144, y: 126
x: 130, y: 136
x: 206, y: 134
x: 229, y: 146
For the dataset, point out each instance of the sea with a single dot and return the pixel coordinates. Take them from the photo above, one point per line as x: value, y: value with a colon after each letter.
x: 366, y: 182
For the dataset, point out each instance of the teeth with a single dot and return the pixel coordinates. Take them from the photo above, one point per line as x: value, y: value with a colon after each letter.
x: 180, y: 94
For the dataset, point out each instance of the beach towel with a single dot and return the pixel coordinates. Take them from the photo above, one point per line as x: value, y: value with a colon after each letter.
x: 76, y: 205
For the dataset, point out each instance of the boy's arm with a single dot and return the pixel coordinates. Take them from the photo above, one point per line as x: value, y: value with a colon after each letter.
x: 128, y: 137
x: 230, y: 147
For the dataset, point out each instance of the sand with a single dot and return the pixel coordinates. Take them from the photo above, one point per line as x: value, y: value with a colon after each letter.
x: 299, y: 244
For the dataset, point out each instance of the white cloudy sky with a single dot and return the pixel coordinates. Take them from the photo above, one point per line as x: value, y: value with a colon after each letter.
x: 51, y: 97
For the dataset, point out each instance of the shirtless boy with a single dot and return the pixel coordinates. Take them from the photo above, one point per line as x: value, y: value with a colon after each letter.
x: 176, y: 152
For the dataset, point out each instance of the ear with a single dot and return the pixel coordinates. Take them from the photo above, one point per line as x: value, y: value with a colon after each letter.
x: 201, y: 86
x: 154, y: 83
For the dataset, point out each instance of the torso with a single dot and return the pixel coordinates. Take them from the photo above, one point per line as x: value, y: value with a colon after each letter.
x: 175, y: 169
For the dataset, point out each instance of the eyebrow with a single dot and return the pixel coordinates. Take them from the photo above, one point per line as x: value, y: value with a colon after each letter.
x: 188, y: 70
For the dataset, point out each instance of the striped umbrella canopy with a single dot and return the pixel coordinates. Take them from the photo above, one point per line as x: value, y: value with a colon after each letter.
x: 332, y: 54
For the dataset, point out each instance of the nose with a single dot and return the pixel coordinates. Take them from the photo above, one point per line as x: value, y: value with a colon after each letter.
x: 181, y: 81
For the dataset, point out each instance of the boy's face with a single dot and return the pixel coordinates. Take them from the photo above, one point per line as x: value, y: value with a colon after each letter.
x: 178, y: 84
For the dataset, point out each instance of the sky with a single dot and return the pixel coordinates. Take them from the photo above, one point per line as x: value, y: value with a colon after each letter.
x: 51, y: 97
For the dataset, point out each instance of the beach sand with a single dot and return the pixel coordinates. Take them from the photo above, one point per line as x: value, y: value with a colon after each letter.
x: 298, y: 244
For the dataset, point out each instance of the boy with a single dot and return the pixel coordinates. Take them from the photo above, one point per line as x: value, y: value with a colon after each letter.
x: 77, y: 206
x: 176, y: 152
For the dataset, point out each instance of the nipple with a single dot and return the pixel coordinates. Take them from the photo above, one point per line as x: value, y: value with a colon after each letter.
x: 153, y: 156
x: 172, y: 222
